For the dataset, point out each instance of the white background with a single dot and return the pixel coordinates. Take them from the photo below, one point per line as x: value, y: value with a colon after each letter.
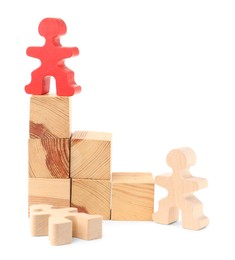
x: 158, y: 75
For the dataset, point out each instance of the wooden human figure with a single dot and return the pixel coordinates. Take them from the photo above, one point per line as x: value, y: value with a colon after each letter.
x: 52, y: 56
x: 181, y: 185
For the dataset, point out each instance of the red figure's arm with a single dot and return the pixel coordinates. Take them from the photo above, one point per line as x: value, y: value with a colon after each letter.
x: 35, y: 52
x: 67, y: 52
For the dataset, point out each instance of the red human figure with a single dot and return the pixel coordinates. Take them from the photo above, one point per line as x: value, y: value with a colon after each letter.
x: 52, y: 56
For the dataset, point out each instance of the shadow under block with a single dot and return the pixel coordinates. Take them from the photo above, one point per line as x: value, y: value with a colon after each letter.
x: 91, y: 155
x: 91, y: 196
x: 63, y: 224
x: 48, y: 158
x: 55, y: 192
x: 132, y: 196
x: 50, y: 116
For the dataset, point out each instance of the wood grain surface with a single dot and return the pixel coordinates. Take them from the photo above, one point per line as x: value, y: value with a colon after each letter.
x: 91, y: 155
x: 91, y: 196
x: 55, y: 192
x: 132, y: 196
x: 50, y: 116
x: 48, y: 158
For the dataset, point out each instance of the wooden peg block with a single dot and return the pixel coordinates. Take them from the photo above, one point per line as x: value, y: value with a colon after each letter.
x: 132, y: 196
x: 60, y: 231
x: 91, y: 155
x: 50, y: 116
x: 86, y: 226
x: 91, y: 196
x: 63, y: 224
x: 181, y: 185
x: 55, y: 192
x: 48, y: 158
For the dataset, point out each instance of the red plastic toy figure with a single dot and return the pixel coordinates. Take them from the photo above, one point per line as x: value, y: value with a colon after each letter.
x: 52, y: 56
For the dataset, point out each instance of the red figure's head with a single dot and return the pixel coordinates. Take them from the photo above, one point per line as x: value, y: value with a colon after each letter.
x: 52, y: 27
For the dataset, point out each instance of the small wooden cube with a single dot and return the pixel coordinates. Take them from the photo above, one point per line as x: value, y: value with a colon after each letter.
x: 48, y: 158
x: 92, y: 196
x: 55, y: 192
x: 132, y: 196
x: 50, y: 116
x: 91, y: 155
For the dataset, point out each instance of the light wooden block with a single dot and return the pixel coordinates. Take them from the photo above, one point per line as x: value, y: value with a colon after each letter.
x: 48, y: 158
x: 50, y: 116
x: 181, y: 185
x: 62, y: 224
x: 132, y: 196
x: 55, y: 192
x: 91, y: 196
x: 91, y: 155
x: 86, y: 226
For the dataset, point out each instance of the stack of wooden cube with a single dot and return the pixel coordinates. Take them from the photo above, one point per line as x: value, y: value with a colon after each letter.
x: 74, y: 169
x: 67, y: 168
x: 49, y: 150
x: 91, y: 172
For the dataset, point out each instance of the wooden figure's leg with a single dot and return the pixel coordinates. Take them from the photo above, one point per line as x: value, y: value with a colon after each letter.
x: 192, y: 214
x: 167, y: 213
x: 40, y: 84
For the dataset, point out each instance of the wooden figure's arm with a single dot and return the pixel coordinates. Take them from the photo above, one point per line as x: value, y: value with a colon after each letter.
x: 163, y: 180
x: 195, y: 183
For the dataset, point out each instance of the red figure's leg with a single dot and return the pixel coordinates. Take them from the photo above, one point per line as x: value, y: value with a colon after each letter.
x: 40, y: 84
x: 65, y: 84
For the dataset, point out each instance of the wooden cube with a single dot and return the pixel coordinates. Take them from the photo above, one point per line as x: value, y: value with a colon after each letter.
x: 50, y: 116
x: 91, y: 155
x: 132, y: 196
x: 91, y: 196
x: 55, y: 192
x: 48, y: 158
